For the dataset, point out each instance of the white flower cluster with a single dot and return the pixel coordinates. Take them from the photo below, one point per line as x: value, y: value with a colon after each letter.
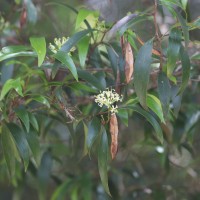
x: 107, y: 98
x: 58, y: 43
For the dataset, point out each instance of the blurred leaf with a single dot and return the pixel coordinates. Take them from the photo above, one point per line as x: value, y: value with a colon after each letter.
x: 15, y: 84
x: 185, y: 28
x: 155, y: 105
x: 173, y: 50
x: 172, y: 3
x: 113, y: 58
x: 61, y: 190
x: 39, y: 45
x: 64, y: 58
x: 82, y: 14
x: 142, y: 71
x: 82, y: 86
x: 83, y: 46
x: 21, y: 142
x: 121, y: 26
x: 90, y: 78
x: 185, y: 60
x: 22, y: 113
x: 164, y: 92
x: 176, y: 100
x: 9, y: 149
x: 93, y: 132
x: 31, y: 11
x: 103, y: 160
x: 133, y: 21
x: 33, y: 141
x: 33, y: 121
x: 114, y: 135
x: 123, y: 115
x: 74, y: 40
x: 16, y: 54
x: 41, y: 99
x: 14, y: 49
x: 129, y: 62
x: 150, y: 119
x: 43, y: 174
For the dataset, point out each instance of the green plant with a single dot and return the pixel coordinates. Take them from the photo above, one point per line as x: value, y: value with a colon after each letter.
x: 53, y: 89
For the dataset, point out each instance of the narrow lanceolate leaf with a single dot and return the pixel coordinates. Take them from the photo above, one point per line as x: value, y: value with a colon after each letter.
x: 155, y: 105
x: 9, y: 149
x: 150, y: 119
x: 83, y: 46
x: 90, y: 78
x: 103, y: 160
x: 173, y: 50
x: 33, y: 121
x: 114, y: 135
x: 64, y: 58
x: 142, y: 71
x: 21, y: 142
x: 129, y: 60
x: 93, y: 131
x: 33, y: 141
x: 185, y: 28
x: 164, y: 92
x: 74, y: 40
x: 185, y: 60
x: 39, y: 45
x: 23, y: 116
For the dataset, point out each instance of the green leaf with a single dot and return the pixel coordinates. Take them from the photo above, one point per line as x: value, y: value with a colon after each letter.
x: 44, y: 173
x: 83, y: 46
x: 31, y: 11
x: 21, y: 142
x: 33, y: 141
x: 39, y: 45
x: 103, y: 160
x: 185, y: 60
x: 164, y: 92
x: 155, y: 105
x: 185, y: 29
x: 82, y: 86
x: 93, y: 132
x: 22, y: 113
x: 173, y: 50
x: 15, y: 84
x: 74, y: 40
x: 150, y: 119
x: 142, y: 71
x: 64, y: 58
x: 61, y: 190
x: 82, y: 14
x: 9, y: 149
x: 114, y: 59
x: 82, y: 74
x: 14, y: 49
x: 33, y: 121
x: 16, y: 54
x: 41, y: 99
x: 172, y: 3
x: 123, y: 115
x: 132, y: 22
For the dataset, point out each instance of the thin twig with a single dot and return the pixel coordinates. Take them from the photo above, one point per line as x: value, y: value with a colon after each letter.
x: 157, y: 33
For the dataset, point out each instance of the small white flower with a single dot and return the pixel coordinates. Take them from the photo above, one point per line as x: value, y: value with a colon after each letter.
x: 58, y: 43
x: 108, y: 98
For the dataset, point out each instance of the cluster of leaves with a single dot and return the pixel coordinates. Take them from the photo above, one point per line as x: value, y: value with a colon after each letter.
x: 54, y: 91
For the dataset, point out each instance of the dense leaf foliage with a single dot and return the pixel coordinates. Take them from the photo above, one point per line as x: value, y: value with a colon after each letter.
x: 95, y: 112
